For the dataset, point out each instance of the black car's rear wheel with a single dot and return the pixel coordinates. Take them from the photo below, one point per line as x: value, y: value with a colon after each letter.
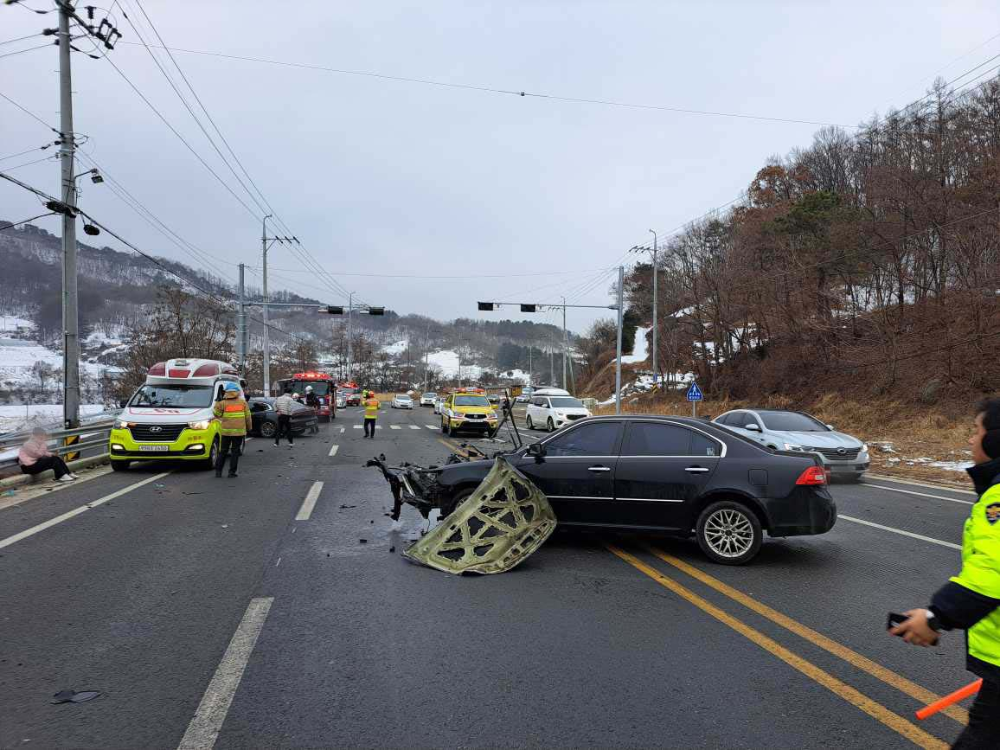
x: 449, y: 505
x: 268, y: 429
x: 729, y: 533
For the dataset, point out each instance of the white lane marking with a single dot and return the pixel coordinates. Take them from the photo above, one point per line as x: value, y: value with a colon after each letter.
x: 333, y: 450
x: 921, y: 494
x: 900, y: 531
x: 342, y: 430
x: 310, y: 502
x: 414, y: 427
x: 378, y: 427
x: 395, y: 427
x: 204, y: 728
x: 77, y: 511
x: 896, y: 480
x: 357, y: 427
x: 431, y: 426
x: 278, y: 563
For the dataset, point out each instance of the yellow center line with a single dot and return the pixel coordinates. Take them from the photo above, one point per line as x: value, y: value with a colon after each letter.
x: 912, y: 689
x: 876, y: 710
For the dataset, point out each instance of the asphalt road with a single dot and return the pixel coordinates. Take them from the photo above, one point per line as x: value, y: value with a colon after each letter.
x: 269, y: 611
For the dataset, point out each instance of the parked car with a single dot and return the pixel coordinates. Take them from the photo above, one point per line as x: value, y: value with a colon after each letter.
x: 844, y: 455
x: 401, y: 401
x: 341, y: 399
x: 554, y: 410
x: 439, y: 403
x: 672, y: 475
x: 265, y: 418
x: 428, y: 399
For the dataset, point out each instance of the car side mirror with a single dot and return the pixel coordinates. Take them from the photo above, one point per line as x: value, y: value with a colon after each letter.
x: 831, y: 428
x: 537, y: 450
x: 752, y: 427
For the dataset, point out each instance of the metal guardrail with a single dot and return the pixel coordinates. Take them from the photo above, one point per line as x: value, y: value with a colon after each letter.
x: 93, y: 434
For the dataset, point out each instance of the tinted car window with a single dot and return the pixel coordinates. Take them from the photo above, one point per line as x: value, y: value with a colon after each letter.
x: 704, y: 446
x: 789, y: 421
x: 586, y: 440
x: 652, y: 439
x: 727, y: 419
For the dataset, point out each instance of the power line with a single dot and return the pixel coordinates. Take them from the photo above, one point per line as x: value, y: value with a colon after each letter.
x: 471, y: 276
x: 20, y: 39
x: 507, y: 92
x: 29, y: 113
x: 28, y: 49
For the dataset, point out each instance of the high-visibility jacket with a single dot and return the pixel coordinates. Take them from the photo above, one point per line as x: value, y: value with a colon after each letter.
x: 234, y: 416
x: 371, y: 408
x: 981, y: 572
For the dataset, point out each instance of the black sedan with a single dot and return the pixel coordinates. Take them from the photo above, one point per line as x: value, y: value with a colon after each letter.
x: 265, y: 418
x: 670, y: 475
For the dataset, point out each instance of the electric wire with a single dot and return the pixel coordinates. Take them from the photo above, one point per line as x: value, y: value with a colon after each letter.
x: 20, y: 39
x: 28, y: 49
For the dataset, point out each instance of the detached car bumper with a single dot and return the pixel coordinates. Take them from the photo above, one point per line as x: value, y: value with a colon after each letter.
x: 190, y: 445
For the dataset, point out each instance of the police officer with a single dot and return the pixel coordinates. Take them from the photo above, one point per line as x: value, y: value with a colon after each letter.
x: 970, y: 601
x: 235, y: 421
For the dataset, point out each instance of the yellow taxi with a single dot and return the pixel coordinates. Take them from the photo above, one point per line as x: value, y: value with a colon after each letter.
x: 468, y: 410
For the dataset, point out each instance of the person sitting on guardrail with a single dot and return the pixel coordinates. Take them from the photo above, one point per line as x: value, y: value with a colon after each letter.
x: 35, y: 457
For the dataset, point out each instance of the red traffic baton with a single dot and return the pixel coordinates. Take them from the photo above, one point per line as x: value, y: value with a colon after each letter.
x: 952, y: 698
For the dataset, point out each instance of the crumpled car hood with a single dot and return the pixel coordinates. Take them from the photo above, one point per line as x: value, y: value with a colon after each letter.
x: 504, y: 521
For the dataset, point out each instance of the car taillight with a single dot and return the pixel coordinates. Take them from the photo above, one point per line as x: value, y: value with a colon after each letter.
x: 812, y: 476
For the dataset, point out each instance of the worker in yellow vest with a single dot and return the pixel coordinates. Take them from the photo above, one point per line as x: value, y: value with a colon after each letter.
x: 233, y: 415
x: 371, y: 405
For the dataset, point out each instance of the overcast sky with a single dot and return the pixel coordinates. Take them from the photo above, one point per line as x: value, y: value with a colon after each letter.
x: 379, y: 176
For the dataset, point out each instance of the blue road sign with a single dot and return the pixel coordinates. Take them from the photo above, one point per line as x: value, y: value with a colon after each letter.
x: 694, y: 393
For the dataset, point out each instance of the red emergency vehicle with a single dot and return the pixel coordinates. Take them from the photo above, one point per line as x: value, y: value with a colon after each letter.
x: 322, y: 387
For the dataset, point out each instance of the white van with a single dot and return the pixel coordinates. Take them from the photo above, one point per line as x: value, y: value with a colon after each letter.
x: 170, y: 416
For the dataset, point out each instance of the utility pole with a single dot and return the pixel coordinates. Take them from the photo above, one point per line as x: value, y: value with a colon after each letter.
x: 67, y: 152
x: 656, y: 319
x: 530, y: 347
x: 552, y: 366
x: 618, y: 355
x: 565, y: 343
x: 241, y: 326
x: 350, y: 337
x: 267, y: 327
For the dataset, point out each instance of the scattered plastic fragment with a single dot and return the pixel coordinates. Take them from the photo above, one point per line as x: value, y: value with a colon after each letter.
x: 72, y: 696
x: 8, y: 493
x: 159, y: 485
x: 363, y: 541
x: 345, y: 507
x: 225, y: 525
x: 392, y: 549
x: 190, y: 493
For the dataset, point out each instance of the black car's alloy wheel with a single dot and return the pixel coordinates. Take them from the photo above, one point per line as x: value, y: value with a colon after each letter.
x: 268, y: 429
x: 729, y: 533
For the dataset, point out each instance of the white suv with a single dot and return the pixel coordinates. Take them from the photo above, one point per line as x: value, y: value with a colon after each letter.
x: 553, y: 410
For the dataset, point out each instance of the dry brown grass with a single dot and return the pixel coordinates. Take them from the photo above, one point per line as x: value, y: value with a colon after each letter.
x: 915, y: 431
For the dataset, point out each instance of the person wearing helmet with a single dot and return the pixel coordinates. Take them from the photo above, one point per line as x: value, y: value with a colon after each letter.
x: 233, y: 415
x: 312, y: 400
x: 371, y: 405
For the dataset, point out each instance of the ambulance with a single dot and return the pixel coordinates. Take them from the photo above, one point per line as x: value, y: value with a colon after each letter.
x: 170, y: 416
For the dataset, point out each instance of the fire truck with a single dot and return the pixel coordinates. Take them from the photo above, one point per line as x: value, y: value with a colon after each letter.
x: 322, y: 387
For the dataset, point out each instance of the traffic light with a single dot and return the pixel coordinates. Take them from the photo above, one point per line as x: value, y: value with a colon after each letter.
x: 376, y: 311
x: 487, y: 306
x: 529, y: 308
x: 334, y: 310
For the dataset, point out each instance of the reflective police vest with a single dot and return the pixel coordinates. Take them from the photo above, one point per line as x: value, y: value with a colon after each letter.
x: 981, y: 571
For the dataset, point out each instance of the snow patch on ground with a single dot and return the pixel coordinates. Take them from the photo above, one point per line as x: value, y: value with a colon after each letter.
x: 13, y: 324
x: 515, y: 374
x: 641, y: 349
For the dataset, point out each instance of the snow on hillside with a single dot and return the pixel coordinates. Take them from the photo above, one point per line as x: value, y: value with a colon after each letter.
x: 447, y: 361
x: 641, y: 349
x: 515, y: 374
x: 397, y: 348
x: 18, y: 418
x: 10, y: 324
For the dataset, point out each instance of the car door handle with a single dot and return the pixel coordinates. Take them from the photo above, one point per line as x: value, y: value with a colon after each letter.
x: 696, y: 469
x: 598, y: 468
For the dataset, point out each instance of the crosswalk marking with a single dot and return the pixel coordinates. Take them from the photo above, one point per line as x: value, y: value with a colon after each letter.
x: 395, y: 427
x: 414, y: 427
x: 357, y: 427
x: 431, y: 426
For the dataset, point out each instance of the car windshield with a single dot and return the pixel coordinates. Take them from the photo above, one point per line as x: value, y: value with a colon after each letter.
x: 566, y: 402
x: 430, y: 395
x: 471, y: 401
x: 789, y: 421
x: 402, y: 398
x: 185, y: 396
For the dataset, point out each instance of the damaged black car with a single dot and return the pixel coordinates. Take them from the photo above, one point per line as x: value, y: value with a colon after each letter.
x: 638, y: 473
